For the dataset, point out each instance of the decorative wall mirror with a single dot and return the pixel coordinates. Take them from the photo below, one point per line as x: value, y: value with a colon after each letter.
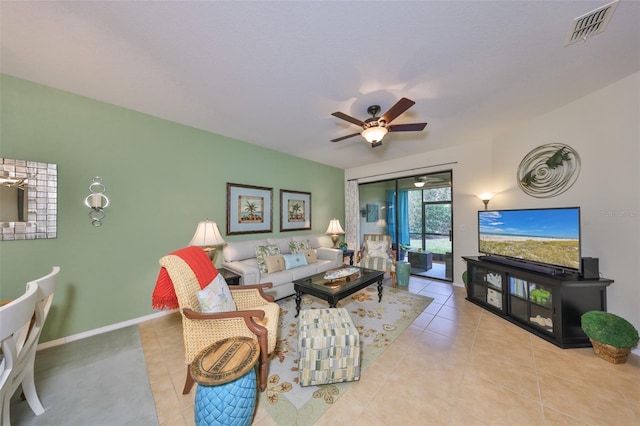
x: 28, y: 200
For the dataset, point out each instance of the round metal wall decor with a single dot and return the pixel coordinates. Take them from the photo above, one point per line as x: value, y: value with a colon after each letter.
x: 549, y: 170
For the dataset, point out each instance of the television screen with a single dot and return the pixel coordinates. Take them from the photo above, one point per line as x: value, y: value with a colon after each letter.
x: 543, y: 236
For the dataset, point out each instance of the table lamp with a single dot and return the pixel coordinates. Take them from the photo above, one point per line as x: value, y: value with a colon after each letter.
x: 334, y: 229
x: 207, y: 236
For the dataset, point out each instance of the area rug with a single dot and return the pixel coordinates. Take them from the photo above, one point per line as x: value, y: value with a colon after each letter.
x: 379, y: 324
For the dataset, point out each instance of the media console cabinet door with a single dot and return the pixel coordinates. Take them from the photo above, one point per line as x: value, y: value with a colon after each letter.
x: 549, y: 306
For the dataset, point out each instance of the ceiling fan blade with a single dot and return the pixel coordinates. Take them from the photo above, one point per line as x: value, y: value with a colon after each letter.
x: 412, y: 127
x: 401, y: 106
x: 344, y: 137
x: 348, y: 118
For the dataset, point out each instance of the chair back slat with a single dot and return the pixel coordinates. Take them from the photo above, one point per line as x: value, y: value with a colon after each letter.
x: 15, y: 321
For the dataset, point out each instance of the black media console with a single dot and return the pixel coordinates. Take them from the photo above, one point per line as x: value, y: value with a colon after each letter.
x: 545, y: 302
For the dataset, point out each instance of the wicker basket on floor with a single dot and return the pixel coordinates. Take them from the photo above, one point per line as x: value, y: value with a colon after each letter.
x: 610, y: 353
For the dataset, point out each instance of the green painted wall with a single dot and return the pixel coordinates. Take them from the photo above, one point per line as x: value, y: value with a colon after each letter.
x: 162, y: 178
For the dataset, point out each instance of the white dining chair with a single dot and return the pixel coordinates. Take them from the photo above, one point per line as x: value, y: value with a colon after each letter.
x: 23, y: 370
x: 15, y: 323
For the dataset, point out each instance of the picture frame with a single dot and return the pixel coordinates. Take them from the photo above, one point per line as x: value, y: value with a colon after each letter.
x: 372, y: 212
x: 249, y: 209
x: 295, y: 210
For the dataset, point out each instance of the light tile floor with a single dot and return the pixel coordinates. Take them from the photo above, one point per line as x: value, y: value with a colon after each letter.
x: 455, y: 365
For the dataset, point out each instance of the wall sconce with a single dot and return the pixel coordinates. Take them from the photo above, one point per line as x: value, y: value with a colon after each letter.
x: 334, y: 229
x: 486, y: 197
x: 97, y: 201
x: 208, y: 236
x: 363, y: 212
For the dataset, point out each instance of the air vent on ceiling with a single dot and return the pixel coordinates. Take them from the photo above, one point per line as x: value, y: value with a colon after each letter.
x: 591, y: 23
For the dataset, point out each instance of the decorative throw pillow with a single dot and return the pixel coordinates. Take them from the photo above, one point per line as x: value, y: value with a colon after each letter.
x: 294, y: 260
x: 262, y: 251
x: 299, y: 246
x: 311, y: 256
x: 377, y: 248
x: 274, y: 263
x: 216, y: 297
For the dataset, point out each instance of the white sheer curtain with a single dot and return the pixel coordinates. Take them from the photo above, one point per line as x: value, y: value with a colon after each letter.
x: 352, y: 214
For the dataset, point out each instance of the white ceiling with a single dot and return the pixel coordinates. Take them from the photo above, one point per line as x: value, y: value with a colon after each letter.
x: 271, y: 73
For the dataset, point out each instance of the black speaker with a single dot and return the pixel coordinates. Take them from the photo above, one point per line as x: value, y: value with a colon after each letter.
x: 589, y: 268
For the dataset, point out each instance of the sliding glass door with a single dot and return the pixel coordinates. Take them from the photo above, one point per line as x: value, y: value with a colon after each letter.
x: 417, y: 212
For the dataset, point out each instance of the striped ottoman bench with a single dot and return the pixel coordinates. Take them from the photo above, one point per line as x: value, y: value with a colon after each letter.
x: 328, y: 347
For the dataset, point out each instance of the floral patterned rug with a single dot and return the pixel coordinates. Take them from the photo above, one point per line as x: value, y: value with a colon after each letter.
x: 379, y: 324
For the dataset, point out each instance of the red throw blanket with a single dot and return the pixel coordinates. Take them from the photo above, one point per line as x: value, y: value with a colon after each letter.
x: 164, y: 295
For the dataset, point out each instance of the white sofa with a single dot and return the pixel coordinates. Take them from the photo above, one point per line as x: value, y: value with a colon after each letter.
x: 240, y: 257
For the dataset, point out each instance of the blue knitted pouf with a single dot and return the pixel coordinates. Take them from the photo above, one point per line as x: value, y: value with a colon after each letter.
x: 232, y: 403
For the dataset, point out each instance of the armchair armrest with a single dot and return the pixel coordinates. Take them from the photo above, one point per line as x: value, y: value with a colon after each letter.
x: 360, y: 254
x: 247, y: 316
x: 253, y: 292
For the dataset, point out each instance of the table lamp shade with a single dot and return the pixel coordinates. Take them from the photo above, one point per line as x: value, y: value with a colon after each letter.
x: 334, y: 229
x: 207, y: 235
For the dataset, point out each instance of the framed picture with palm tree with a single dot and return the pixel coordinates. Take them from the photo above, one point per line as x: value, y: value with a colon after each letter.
x: 249, y: 209
x: 295, y: 210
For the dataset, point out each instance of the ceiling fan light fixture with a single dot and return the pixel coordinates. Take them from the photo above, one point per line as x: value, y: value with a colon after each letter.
x: 418, y: 184
x: 374, y: 134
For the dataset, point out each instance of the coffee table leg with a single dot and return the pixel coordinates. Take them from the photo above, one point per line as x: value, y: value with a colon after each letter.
x: 298, y: 300
x: 380, y: 290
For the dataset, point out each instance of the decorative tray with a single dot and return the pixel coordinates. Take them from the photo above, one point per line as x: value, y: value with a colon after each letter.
x: 341, y: 274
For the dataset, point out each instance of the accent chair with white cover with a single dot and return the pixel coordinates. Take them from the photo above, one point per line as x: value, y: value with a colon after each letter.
x: 376, y: 253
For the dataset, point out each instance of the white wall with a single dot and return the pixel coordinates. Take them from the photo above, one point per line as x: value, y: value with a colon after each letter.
x: 604, y: 128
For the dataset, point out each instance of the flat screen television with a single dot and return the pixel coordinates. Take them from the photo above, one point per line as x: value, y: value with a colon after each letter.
x: 546, y: 237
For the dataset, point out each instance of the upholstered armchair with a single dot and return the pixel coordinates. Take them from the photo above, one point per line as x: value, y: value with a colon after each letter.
x: 376, y: 253
x: 256, y: 317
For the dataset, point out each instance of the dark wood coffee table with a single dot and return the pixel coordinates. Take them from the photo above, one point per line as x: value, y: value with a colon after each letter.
x: 333, y: 291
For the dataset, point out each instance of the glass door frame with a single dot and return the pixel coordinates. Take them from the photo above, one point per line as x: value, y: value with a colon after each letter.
x: 406, y: 182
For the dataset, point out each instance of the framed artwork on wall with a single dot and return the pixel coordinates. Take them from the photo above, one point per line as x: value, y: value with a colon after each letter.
x: 249, y: 209
x: 372, y: 212
x: 295, y: 210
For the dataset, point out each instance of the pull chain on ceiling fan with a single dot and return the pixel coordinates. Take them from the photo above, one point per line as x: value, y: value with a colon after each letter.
x: 375, y: 128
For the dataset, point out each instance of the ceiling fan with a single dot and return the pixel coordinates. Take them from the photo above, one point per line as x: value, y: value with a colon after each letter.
x: 375, y: 128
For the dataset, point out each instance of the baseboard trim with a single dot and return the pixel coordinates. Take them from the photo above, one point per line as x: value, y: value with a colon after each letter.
x: 105, y: 329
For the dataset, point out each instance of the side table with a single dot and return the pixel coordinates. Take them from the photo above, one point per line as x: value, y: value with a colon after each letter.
x: 227, y: 388
x: 349, y: 254
x: 229, y: 276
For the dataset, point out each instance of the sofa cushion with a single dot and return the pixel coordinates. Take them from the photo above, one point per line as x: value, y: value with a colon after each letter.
x: 277, y: 278
x: 262, y: 252
x: 282, y: 243
x: 294, y: 260
x: 315, y: 241
x: 240, y: 250
x: 299, y: 246
x: 311, y: 256
x: 216, y: 297
x: 274, y: 263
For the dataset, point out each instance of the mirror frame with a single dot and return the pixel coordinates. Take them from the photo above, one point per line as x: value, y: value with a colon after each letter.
x: 42, y: 200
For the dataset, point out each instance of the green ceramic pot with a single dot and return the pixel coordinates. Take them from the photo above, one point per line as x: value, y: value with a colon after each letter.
x: 403, y: 271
